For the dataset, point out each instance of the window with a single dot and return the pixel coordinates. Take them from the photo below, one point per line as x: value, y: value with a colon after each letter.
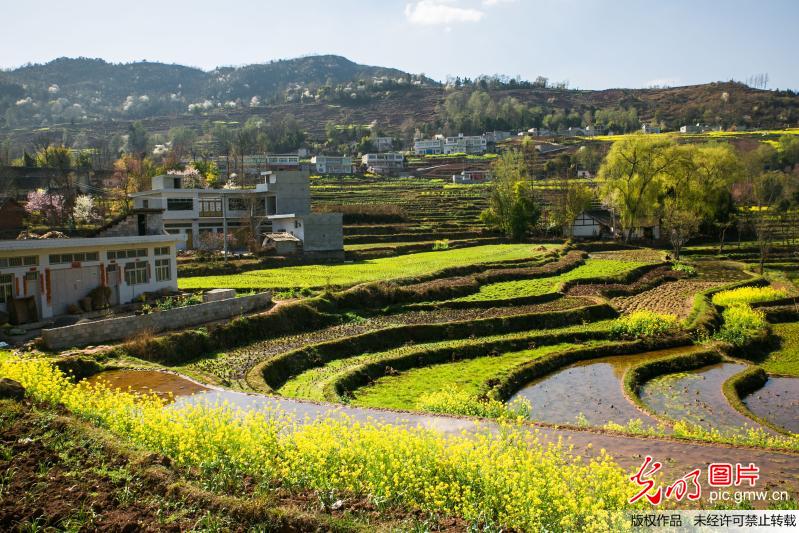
x: 136, y: 273
x: 145, y: 203
x: 59, y: 259
x: 211, y: 207
x: 127, y: 254
x: 163, y: 270
x: 180, y: 204
x: 162, y: 250
x: 237, y: 204
x: 6, y: 287
x: 28, y: 260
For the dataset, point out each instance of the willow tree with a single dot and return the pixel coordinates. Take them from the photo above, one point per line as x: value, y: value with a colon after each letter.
x: 633, y: 173
x: 512, y: 206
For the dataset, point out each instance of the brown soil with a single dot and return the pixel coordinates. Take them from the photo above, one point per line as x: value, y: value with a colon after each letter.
x: 60, y: 473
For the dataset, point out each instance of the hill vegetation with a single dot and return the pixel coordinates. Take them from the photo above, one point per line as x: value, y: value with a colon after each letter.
x: 86, y: 99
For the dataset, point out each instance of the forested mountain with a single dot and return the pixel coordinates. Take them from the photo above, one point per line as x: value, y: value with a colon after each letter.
x: 82, y: 102
x: 83, y: 90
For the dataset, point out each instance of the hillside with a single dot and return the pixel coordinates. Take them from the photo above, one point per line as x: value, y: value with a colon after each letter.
x: 96, y: 98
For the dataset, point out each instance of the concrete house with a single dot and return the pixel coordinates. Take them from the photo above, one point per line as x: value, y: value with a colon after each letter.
x: 434, y: 146
x: 42, y: 278
x: 384, y: 163
x: 332, y: 164
x: 465, y: 144
x: 471, y: 176
x: 647, y: 128
x: 317, y: 232
x: 601, y: 224
x: 194, y: 212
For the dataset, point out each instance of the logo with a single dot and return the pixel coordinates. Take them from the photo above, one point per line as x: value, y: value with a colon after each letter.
x: 719, y: 475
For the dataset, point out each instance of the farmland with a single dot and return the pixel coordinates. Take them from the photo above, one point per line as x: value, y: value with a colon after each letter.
x: 466, y: 331
x: 342, y: 275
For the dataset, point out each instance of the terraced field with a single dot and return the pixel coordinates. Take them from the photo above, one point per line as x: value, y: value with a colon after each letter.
x: 348, y: 274
x: 499, y: 322
x: 594, y: 268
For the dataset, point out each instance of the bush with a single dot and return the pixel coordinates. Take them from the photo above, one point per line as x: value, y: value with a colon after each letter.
x: 441, y: 245
x: 683, y: 267
x: 644, y: 324
x: 460, y: 402
x: 741, y: 325
x: 748, y: 295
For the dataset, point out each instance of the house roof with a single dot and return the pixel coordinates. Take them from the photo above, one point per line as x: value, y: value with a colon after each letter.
x: 282, y: 237
x: 86, y: 242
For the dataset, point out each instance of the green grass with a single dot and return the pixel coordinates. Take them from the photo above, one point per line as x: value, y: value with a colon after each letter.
x: 536, y: 287
x: 403, y: 391
x: 311, y: 383
x: 348, y: 274
x: 786, y: 359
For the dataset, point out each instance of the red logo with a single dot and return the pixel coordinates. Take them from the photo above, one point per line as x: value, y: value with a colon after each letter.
x: 718, y: 475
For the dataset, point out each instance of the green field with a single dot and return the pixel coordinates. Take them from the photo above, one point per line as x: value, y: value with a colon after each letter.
x: 311, y: 383
x: 403, y: 391
x: 786, y: 359
x: 347, y: 274
x: 536, y: 287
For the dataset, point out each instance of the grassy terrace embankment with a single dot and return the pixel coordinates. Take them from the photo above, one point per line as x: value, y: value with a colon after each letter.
x: 348, y: 274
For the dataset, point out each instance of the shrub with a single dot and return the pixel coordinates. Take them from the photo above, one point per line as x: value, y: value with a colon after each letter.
x: 460, y: 402
x: 441, y: 245
x: 748, y: 295
x: 507, y: 478
x: 644, y: 324
x: 741, y: 324
x: 683, y: 267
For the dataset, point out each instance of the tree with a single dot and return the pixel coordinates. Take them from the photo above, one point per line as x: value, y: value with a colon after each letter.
x: 767, y: 193
x: 85, y: 211
x: 633, y: 172
x: 46, y: 207
x: 573, y: 199
x: 512, y: 206
x: 182, y: 140
x: 138, y: 139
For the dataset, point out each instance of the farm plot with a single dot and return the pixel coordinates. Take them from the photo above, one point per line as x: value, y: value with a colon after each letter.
x: 590, y: 392
x: 404, y: 390
x: 348, y: 274
x: 696, y: 397
x: 312, y: 383
x: 777, y: 402
x: 675, y: 298
x: 231, y: 367
x: 593, y: 268
x: 784, y: 360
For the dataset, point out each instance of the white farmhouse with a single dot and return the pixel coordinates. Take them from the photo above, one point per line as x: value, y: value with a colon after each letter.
x: 195, y: 211
x: 384, y: 163
x: 332, y: 164
x: 42, y: 278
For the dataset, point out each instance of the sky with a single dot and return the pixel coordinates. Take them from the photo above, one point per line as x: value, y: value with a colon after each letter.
x: 591, y: 44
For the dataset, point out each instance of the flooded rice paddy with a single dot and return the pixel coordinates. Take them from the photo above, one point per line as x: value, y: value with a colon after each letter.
x: 777, y: 402
x: 590, y: 391
x: 696, y: 397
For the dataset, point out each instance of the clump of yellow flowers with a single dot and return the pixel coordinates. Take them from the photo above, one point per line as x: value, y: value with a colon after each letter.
x: 501, y: 478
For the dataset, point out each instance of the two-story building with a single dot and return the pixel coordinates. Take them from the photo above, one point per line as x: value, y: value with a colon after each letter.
x: 384, y: 163
x: 332, y: 164
x: 194, y: 212
x: 465, y: 144
x: 434, y: 146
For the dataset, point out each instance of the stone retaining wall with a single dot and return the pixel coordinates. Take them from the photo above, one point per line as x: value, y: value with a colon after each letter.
x: 116, y: 329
